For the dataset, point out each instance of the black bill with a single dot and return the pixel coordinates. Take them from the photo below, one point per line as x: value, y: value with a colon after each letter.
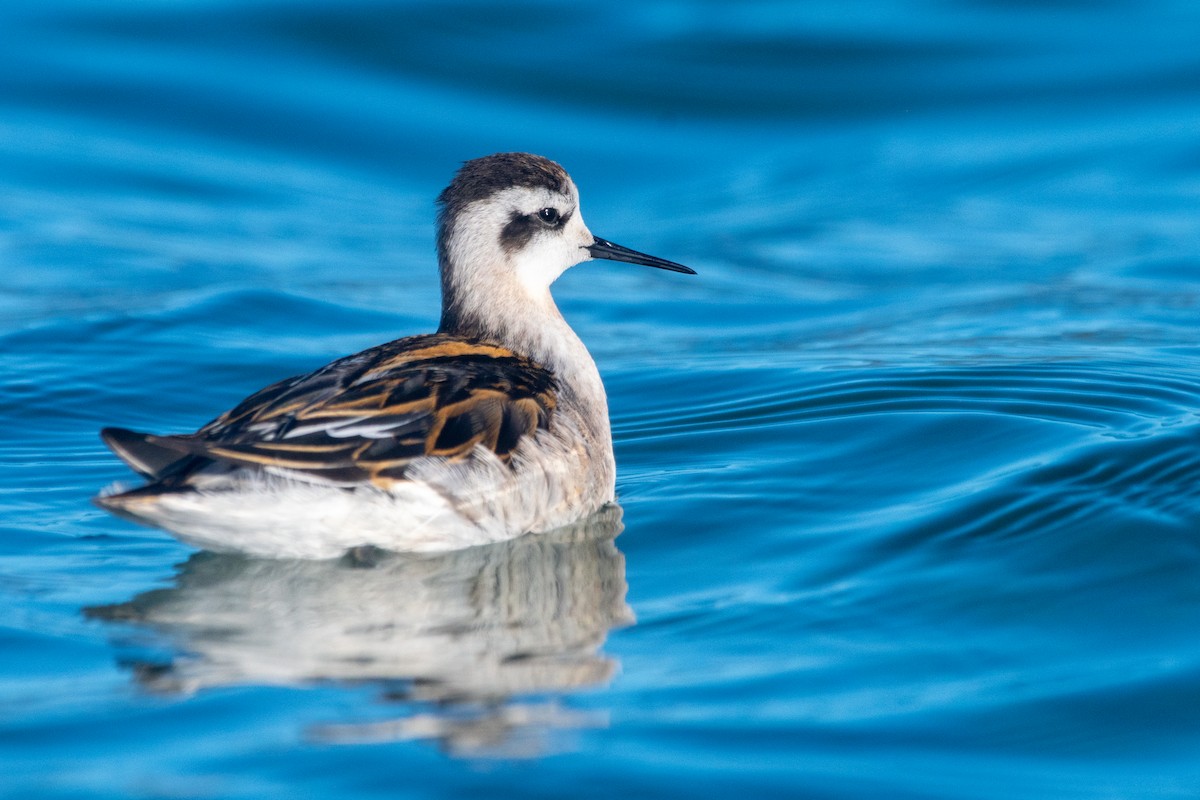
x: 602, y: 248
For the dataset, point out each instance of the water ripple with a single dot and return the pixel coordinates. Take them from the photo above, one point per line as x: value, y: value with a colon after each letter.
x: 1115, y: 400
x: 1156, y: 479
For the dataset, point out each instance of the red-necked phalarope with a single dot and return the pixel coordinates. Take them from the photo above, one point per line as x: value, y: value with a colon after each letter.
x: 494, y: 426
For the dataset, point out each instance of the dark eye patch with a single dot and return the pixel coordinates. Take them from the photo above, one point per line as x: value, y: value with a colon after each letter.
x: 521, y: 228
x: 519, y: 231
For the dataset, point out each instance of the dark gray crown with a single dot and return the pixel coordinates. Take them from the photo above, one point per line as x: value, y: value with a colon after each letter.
x: 482, y: 177
x: 476, y: 180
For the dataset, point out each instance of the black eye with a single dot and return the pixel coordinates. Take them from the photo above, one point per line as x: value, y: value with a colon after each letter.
x: 549, y: 216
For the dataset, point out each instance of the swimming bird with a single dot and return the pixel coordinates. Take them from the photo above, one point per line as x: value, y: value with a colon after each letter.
x: 494, y: 426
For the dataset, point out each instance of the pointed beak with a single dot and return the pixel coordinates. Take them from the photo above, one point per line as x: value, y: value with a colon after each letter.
x: 602, y: 248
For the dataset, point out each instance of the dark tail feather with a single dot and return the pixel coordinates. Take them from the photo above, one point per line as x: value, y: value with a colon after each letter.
x: 144, y: 456
x: 126, y: 503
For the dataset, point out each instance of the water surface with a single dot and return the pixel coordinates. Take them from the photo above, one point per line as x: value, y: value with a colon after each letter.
x: 908, y: 473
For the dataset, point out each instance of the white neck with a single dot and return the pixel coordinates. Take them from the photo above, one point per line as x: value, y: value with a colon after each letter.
x: 535, y: 328
x: 493, y: 291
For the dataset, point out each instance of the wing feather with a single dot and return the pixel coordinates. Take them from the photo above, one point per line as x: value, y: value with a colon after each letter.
x: 365, y: 418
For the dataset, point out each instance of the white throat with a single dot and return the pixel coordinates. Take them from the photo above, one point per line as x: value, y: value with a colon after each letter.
x: 503, y: 293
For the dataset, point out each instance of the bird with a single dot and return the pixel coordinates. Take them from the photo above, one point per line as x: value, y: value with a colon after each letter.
x: 492, y: 427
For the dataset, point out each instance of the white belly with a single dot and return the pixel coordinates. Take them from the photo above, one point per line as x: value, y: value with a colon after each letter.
x: 442, y: 506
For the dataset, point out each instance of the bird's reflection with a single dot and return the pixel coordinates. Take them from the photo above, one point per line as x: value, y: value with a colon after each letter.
x: 458, y: 638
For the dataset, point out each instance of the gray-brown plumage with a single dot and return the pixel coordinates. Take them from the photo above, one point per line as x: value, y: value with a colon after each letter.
x: 364, y: 418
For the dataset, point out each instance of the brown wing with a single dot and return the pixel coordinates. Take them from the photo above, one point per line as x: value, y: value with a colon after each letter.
x: 366, y: 417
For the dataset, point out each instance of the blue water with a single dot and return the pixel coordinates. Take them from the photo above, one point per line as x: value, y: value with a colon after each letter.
x: 909, y: 474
